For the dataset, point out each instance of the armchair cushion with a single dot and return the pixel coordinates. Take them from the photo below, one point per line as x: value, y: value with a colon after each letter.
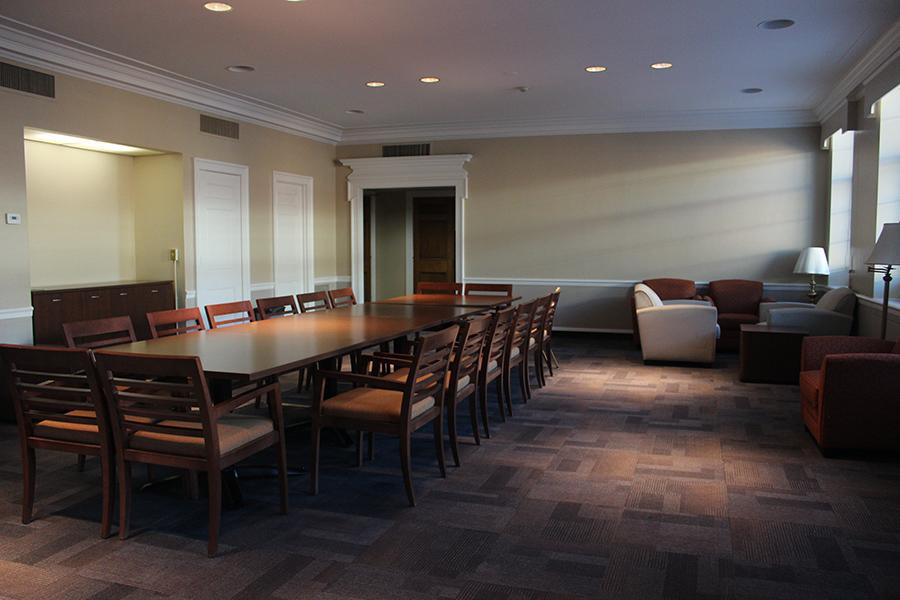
x: 669, y: 288
x: 684, y: 333
x: 234, y: 431
x: 766, y: 308
x: 372, y: 404
x: 734, y: 321
x: 839, y: 300
x: 733, y: 296
x: 814, y: 321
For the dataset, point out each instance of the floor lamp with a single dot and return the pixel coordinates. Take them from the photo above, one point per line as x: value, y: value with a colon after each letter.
x: 885, y: 256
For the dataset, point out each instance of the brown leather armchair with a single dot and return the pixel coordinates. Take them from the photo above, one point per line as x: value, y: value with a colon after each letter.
x: 737, y: 301
x: 849, y: 391
x: 668, y: 289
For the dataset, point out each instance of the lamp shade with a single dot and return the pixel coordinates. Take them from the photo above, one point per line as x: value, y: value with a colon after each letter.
x: 887, y: 248
x: 812, y: 261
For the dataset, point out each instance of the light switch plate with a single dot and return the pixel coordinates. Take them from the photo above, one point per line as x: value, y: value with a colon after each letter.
x: 13, y: 219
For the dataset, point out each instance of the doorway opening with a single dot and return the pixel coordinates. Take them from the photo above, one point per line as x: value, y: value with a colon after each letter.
x: 409, y: 236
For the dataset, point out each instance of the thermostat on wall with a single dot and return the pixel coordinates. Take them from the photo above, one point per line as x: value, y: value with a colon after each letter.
x: 13, y: 219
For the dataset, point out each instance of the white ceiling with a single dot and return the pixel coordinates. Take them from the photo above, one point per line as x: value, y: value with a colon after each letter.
x: 313, y: 57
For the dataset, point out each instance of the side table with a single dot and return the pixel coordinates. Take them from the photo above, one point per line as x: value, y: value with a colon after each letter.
x: 770, y: 354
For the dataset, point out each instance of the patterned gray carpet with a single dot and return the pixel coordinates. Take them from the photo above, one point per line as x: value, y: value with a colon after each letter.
x: 618, y: 480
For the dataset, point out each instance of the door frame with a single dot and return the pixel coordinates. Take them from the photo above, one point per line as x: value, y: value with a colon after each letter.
x: 305, y: 182
x: 403, y: 172
x: 242, y: 171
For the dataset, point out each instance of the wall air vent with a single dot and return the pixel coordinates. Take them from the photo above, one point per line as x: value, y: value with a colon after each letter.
x: 26, y: 80
x: 221, y: 127
x: 406, y: 150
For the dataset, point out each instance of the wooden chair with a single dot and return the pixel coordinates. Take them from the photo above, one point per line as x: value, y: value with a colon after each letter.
x: 492, y: 360
x: 183, y: 429
x: 164, y: 323
x: 59, y: 406
x: 314, y: 302
x: 390, y: 407
x: 99, y: 333
x: 516, y: 354
x: 489, y: 289
x: 342, y: 297
x: 546, y: 342
x: 439, y: 287
x: 536, y: 337
x: 279, y: 306
x: 239, y: 312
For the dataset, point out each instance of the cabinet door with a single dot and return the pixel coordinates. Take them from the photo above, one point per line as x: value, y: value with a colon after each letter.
x: 97, y: 304
x: 149, y: 298
x: 122, y: 301
x: 51, y: 310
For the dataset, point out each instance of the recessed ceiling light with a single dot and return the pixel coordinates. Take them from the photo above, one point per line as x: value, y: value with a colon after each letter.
x: 661, y: 65
x: 240, y: 68
x: 776, y: 24
x: 375, y: 83
x: 349, y: 111
x: 295, y: 0
x: 595, y: 69
x: 217, y: 6
x: 429, y: 79
x: 751, y: 90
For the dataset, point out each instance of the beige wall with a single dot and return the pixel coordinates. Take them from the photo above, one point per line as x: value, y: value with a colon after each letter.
x: 81, y: 215
x: 100, y: 112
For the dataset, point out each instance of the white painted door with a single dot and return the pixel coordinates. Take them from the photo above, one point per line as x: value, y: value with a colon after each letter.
x: 292, y: 210
x: 222, y: 231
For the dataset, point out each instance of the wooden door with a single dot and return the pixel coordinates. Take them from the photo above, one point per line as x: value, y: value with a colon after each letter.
x: 292, y: 208
x: 434, y: 239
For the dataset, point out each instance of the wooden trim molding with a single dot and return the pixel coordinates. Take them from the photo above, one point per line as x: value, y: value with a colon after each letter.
x: 23, y: 312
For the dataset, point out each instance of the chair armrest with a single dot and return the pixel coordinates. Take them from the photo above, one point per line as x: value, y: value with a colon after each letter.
x: 384, y: 359
x: 682, y: 301
x: 816, y: 348
x: 232, y: 404
x: 766, y: 307
x: 368, y: 380
x: 816, y: 322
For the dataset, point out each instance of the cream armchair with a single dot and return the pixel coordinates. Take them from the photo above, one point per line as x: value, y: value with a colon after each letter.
x: 682, y: 332
x: 833, y: 315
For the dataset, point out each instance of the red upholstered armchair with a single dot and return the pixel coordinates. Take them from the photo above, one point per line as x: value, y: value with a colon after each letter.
x: 668, y: 289
x: 737, y: 301
x: 850, y: 392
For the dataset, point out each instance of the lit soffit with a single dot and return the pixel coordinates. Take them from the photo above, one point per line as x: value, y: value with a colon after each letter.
x: 83, y: 143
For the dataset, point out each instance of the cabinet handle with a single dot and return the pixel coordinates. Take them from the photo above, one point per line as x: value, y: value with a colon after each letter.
x: 154, y: 291
x: 94, y: 297
x: 56, y: 300
x: 123, y: 293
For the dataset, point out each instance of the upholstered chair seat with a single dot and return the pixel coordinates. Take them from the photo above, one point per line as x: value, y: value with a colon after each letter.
x: 675, y: 332
x: 738, y: 302
x: 234, y: 431
x: 832, y: 315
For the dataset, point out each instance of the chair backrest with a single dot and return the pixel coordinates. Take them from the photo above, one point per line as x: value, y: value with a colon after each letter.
x: 342, y: 297
x: 645, y: 297
x: 467, y: 355
x: 521, y: 330
x: 99, y: 333
x: 736, y: 296
x: 539, y: 317
x: 551, y: 313
x: 164, y: 323
x: 313, y: 302
x: 428, y: 372
x: 439, y: 287
x: 497, y: 338
x: 229, y: 313
x: 670, y: 288
x: 56, y: 384
x: 157, y: 397
x: 279, y: 306
x: 841, y: 300
x: 489, y: 289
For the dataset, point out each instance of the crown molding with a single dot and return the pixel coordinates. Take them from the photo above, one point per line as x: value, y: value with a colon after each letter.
x: 872, y: 62
x: 44, y: 49
x: 699, y: 120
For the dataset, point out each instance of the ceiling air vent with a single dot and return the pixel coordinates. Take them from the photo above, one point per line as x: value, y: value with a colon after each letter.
x: 221, y: 127
x: 406, y: 150
x: 26, y: 80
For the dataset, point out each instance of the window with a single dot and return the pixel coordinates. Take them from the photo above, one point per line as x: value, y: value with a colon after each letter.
x: 841, y: 145
x: 888, y: 210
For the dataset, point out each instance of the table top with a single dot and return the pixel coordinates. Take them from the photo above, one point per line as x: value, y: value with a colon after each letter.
x: 262, y: 349
x: 757, y: 328
x: 474, y: 301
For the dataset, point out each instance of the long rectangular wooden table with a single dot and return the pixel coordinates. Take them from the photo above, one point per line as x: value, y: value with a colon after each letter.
x: 482, y: 302
x: 263, y: 349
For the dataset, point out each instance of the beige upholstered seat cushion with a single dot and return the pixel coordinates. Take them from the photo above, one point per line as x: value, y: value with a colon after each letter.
x: 492, y: 366
x: 82, y: 433
x: 369, y: 404
x: 234, y: 431
x: 514, y: 352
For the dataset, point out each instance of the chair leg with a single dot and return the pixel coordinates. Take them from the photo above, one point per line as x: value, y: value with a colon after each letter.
x: 28, y: 480
x: 81, y: 460
x: 359, y: 447
x: 502, y: 393
x: 315, y: 436
x: 451, y: 426
x: 438, y: 426
x: 282, y: 473
x: 482, y: 401
x: 371, y: 446
x: 523, y: 380
x: 405, y: 443
x: 108, y: 487
x: 539, y: 367
x: 123, y: 469
x: 214, y: 477
x: 473, y: 415
x: 553, y: 359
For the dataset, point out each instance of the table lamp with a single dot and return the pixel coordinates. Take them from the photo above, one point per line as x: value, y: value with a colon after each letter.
x: 812, y: 262
x: 885, y: 256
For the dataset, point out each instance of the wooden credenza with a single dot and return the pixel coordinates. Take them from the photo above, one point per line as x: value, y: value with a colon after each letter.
x: 54, y: 306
